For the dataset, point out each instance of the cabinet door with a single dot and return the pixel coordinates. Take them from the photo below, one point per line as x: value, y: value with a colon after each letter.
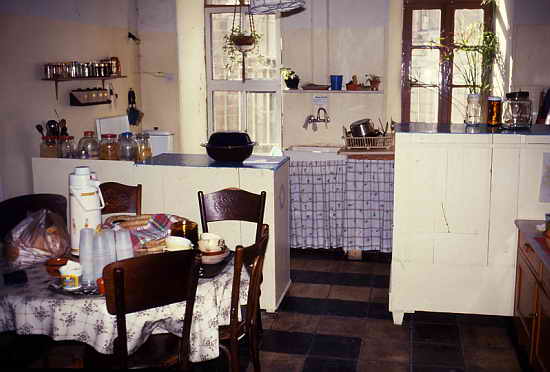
x: 442, y: 202
x: 542, y: 337
x: 525, y: 303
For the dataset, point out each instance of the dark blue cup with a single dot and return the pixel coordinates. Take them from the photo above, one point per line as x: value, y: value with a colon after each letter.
x: 336, y: 82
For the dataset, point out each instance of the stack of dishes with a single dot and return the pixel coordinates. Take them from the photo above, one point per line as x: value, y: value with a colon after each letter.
x: 213, y: 248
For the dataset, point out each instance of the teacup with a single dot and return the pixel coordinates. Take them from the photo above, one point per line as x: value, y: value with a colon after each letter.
x: 211, y: 242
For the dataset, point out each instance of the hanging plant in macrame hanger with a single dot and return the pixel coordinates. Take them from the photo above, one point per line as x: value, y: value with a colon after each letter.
x: 239, y: 39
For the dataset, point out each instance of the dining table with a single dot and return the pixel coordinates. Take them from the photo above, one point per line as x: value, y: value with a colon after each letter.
x: 36, y: 307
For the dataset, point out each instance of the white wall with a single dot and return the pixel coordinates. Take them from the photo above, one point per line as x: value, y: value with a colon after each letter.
x: 38, y: 32
x: 341, y: 37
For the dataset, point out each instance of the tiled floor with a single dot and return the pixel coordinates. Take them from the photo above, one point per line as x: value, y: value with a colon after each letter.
x: 335, y: 318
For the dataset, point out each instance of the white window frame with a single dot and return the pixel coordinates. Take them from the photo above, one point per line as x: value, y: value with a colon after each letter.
x: 248, y: 86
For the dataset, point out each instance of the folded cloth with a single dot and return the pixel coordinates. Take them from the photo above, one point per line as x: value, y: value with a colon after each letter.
x: 157, y: 227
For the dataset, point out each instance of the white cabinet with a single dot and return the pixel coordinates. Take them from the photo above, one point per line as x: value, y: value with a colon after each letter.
x: 456, y: 199
x: 173, y: 189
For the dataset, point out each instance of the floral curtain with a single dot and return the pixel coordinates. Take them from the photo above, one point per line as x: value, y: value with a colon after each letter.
x: 341, y: 204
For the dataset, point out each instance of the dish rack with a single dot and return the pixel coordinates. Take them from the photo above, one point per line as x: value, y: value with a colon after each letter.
x: 368, y: 143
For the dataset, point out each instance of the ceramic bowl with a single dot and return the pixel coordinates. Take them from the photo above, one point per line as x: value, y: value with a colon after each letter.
x: 210, y: 258
x: 177, y: 243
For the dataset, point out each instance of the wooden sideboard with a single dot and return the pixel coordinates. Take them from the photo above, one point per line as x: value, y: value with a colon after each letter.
x: 532, y: 296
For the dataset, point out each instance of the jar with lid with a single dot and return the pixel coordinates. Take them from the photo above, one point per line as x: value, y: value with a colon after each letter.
x: 48, y: 147
x: 108, y: 147
x: 473, y: 110
x: 494, y: 110
x: 88, y: 146
x: 127, y: 147
x: 143, y: 148
x: 66, y: 147
x: 516, y: 110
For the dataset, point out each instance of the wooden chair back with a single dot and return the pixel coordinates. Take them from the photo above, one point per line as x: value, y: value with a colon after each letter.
x: 120, y: 198
x: 150, y: 281
x: 15, y: 210
x: 252, y: 259
x: 232, y: 204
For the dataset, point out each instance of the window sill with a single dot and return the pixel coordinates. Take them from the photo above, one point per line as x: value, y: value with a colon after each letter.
x: 299, y: 91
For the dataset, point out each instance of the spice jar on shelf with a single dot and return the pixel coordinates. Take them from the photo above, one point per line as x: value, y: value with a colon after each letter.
x: 88, y: 146
x: 48, y: 147
x: 144, y: 152
x: 127, y: 147
x: 66, y: 147
x: 108, y: 147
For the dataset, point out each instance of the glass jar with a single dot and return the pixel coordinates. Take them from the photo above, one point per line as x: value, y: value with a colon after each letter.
x: 127, y: 147
x: 143, y: 148
x: 108, y: 147
x: 66, y: 147
x: 473, y: 110
x: 48, y: 147
x: 516, y: 111
x: 88, y: 147
x: 494, y: 110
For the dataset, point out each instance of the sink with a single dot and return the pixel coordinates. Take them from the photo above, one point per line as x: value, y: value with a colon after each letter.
x: 311, y: 153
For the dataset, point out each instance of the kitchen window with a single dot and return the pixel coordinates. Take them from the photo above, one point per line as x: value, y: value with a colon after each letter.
x: 252, y: 104
x: 433, y: 87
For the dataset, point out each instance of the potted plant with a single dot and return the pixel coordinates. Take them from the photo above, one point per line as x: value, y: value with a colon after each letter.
x: 290, y: 77
x: 374, y: 81
x: 236, y: 43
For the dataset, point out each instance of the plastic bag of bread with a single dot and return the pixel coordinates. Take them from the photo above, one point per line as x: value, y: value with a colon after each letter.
x: 39, y: 237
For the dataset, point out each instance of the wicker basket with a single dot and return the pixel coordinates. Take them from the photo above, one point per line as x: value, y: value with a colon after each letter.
x: 131, y: 222
x: 381, y: 142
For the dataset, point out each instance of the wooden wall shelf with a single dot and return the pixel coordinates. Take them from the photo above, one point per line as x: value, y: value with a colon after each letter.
x: 96, y: 78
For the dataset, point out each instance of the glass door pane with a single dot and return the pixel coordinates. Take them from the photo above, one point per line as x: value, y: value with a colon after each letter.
x: 425, y: 66
x: 426, y: 26
x: 262, y: 123
x: 227, y: 111
x: 424, y: 105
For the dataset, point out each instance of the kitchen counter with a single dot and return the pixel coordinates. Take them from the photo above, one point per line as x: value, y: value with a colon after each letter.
x: 529, y: 228
x: 535, y: 130
x: 199, y: 160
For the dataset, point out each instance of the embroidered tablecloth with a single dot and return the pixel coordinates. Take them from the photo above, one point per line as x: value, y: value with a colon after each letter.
x: 32, y: 308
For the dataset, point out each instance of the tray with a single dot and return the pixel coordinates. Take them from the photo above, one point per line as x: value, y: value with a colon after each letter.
x: 211, y: 270
x: 80, y: 292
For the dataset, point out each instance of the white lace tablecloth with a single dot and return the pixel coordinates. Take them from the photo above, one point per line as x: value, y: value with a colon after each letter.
x: 34, y: 309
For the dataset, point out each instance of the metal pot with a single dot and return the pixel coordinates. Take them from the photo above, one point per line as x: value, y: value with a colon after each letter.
x: 361, y: 128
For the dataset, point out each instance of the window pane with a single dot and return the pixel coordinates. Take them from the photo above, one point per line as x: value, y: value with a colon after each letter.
x: 424, y: 105
x: 466, y: 68
x: 425, y: 66
x: 468, y: 32
x: 458, y: 107
x: 426, y: 26
x: 263, y: 124
x: 260, y: 62
x: 227, y: 111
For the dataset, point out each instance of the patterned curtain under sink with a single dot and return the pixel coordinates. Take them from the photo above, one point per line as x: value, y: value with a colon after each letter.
x: 341, y: 204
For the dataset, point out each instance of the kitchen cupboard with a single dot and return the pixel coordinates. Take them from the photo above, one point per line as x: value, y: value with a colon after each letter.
x: 456, y: 197
x: 170, y: 185
x: 532, y: 297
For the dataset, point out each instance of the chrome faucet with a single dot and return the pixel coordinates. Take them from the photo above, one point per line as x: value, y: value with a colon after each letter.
x: 311, y: 119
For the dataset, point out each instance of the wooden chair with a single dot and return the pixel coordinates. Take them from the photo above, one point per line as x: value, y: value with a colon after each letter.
x: 252, y: 258
x: 147, y: 282
x: 233, y: 204
x: 120, y: 198
x: 15, y: 210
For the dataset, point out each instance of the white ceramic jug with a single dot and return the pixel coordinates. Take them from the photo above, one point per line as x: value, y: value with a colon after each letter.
x: 85, y: 204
